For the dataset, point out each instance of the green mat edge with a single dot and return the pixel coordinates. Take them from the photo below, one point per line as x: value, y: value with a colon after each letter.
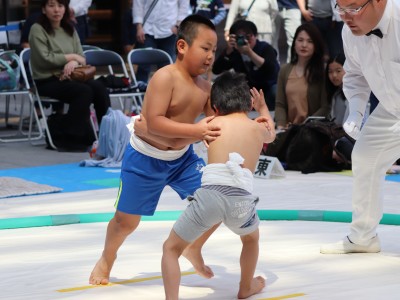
x: 264, y: 215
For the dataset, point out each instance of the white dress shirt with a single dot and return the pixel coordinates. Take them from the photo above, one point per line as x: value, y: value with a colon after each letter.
x: 373, y: 63
x: 262, y: 13
x: 164, y: 16
x: 80, y: 7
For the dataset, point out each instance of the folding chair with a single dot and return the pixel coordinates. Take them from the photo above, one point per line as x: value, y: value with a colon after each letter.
x: 25, y: 56
x: 114, y: 62
x: 146, y: 57
x: 90, y: 47
x: 23, y: 90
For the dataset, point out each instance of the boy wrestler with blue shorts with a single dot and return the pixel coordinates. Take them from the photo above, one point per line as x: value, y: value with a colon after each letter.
x: 227, y: 183
x: 159, y: 152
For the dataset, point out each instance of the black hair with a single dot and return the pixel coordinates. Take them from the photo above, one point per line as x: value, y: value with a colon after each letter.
x: 230, y: 93
x: 340, y: 58
x: 188, y: 28
x: 247, y: 26
x: 315, y: 66
x: 65, y: 21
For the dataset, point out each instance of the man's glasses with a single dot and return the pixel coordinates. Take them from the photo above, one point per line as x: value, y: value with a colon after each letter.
x: 350, y: 11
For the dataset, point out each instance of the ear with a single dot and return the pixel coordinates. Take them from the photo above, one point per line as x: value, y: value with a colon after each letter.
x: 216, y: 110
x: 181, y: 46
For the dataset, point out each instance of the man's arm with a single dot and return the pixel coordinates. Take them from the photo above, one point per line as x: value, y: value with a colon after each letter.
x: 355, y: 88
x: 80, y: 7
x: 307, y: 15
x: 183, y: 9
x: 270, y: 67
x: 138, y: 11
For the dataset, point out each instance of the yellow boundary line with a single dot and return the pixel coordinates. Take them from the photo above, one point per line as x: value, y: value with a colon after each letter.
x: 284, y: 297
x: 86, y: 287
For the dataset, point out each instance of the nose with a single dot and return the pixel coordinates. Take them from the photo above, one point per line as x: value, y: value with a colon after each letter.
x: 346, y: 17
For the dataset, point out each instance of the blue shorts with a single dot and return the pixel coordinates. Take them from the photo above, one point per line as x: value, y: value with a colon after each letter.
x: 143, y: 178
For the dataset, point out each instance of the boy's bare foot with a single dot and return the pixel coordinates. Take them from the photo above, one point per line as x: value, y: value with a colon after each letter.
x: 257, y: 284
x: 101, y: 272
x: 197, y: 261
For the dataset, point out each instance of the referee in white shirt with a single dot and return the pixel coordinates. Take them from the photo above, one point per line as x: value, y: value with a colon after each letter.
x: 79, y: 10
x: 371, y: 39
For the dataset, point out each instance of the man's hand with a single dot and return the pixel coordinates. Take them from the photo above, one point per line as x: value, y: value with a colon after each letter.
x: 352, y: 126
x: 140, y: 36
x: 207, y: 131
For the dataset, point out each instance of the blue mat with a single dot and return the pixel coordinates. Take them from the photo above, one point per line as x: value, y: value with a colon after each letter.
x: 393, y: 177
x: 69, y: 177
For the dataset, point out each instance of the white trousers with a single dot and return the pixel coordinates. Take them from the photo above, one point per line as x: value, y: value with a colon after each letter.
x: 374, y: 152
x: 289, y: 19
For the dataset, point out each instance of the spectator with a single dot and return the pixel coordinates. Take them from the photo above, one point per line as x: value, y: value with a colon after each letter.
x: 300, y: 90
x: 211, y: 9
x: 321, y: 14
x: 128, y: 30
x: 339, y: 104
x: 289, y: 17
x: 159, y: 29
x: 79, y: 18
x: 55, y: 52
x: 78, y: 11
x: 246, y: 54
x: 26, y: 28
x: 261, y: 13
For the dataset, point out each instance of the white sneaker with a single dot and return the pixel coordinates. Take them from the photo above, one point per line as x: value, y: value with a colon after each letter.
x: 347, y: 246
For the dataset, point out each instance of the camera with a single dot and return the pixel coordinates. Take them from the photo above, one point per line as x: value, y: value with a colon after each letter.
x: 241, y: 40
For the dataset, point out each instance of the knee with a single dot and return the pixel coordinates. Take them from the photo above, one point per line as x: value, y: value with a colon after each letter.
x: 169, y: 247
x: 126, y: 225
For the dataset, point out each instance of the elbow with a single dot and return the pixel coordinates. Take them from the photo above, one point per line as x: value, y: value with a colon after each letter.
x: 270, y: 136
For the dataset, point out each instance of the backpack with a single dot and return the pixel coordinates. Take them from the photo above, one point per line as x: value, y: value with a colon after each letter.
x: 311, y: 146
x: 10, y: 71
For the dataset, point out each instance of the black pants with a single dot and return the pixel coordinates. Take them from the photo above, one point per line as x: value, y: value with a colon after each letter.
x: 79, y: 96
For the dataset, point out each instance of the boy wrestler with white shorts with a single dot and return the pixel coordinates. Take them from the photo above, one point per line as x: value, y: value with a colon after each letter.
x: 227, y: 183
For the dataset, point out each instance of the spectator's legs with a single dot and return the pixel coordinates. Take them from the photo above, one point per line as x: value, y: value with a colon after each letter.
x: 101, y: 100
x: 292, y: 20
x: 78, y: 95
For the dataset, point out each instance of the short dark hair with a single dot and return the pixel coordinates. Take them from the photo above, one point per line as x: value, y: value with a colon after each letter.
x: 65, y: 21
x: 339, y: 58
x: 230, y: 93
x: 188, y: 28
x: 247, y: 26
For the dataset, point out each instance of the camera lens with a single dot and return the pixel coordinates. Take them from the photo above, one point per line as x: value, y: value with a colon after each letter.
x: 240, y: 40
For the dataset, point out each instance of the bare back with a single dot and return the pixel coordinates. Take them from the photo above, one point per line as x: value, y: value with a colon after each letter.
x: 175, y: 94
x: 238, y: 134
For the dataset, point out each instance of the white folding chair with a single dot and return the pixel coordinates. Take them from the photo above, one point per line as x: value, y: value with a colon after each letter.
x: 24, y: 91
x: 114, y: 63
x: 146, y: 57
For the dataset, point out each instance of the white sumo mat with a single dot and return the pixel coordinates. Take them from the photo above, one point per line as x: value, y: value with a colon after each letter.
x: 55, y: 262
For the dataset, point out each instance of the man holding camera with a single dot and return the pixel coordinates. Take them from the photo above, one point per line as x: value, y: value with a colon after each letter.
x: 246, y: 54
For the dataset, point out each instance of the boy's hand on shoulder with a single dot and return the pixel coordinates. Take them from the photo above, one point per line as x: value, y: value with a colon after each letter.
x: 265, y: 121
x: 140, y: 126
x: 207, y: 132
x: 270, y: 133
